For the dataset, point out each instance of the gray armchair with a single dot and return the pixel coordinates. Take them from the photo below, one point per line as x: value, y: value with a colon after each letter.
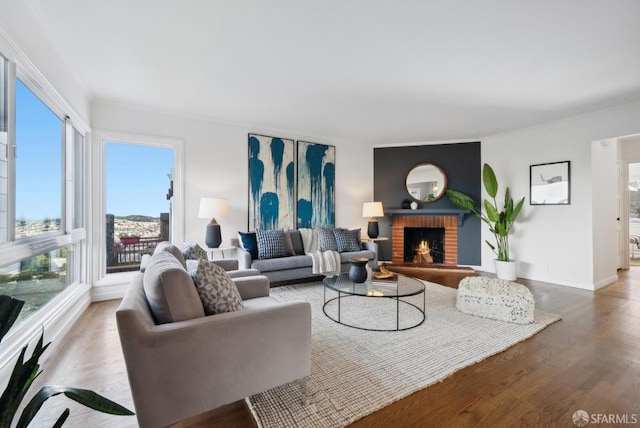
x: 184, y: 368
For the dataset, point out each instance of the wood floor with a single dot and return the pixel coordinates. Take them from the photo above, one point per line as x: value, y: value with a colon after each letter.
x: 590, y: 360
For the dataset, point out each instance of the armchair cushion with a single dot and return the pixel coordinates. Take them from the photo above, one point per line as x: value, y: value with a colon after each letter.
x: 169, y: 247
x: 170, y: 291
x: 193, y: 251
x: 217, y: 291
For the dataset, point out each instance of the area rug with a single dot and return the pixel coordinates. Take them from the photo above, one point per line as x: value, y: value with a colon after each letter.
x: 356, y: 372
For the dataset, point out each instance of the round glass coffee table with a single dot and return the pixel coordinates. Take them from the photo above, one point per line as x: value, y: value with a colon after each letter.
x: 398, y: 288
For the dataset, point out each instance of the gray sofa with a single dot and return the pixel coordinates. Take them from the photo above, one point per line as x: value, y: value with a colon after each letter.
x: 299, y: 267
x: 183, y: 368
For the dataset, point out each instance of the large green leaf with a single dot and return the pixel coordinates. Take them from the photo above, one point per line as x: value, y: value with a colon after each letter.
x: 489, y: 180
x: 460, y: 200
x: 516, y: 211
x: 9, y: 310
x: 83, y: 396
x: 22, y: 376
x: 492, y: 212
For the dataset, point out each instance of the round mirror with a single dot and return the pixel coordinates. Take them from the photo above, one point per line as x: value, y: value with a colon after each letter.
x: 426, y: 182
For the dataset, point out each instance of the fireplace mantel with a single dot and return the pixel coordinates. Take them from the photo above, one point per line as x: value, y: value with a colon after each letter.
x: 430, y: 212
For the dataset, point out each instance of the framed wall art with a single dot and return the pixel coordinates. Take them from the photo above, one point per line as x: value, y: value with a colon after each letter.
x: 271, y: 182
x: 316, y: 185
x: 550, y: 183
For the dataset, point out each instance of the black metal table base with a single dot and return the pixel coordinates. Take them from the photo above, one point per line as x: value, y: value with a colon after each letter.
x: 398, y: 300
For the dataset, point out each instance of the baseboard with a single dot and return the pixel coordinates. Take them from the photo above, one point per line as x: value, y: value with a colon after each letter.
x: 112, y: 286
x: 605, y: 282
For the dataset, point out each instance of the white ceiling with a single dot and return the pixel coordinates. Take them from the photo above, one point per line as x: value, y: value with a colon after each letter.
x: 369, y: 71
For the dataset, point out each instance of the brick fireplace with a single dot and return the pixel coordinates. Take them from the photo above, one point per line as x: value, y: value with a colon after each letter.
x: 449, y: 223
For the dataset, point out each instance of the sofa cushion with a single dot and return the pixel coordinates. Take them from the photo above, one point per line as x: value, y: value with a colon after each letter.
x: 293, y: 242
x: 249, y: 242
x: 170, y: 291
x: 271, y: 243
x: 346, y: 240
x: 168, y: 246
x: 283, y: 263
x: 217, y: 291
x: 327, y: 239
x: 193, y: 251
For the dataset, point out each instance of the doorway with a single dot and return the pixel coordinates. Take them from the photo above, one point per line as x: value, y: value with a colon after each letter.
x: 634, y: 214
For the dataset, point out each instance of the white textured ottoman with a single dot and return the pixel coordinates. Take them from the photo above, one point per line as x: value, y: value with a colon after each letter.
x: 496, y: 299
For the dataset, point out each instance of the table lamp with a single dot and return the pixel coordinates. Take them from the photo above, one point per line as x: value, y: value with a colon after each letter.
x: 372, y: 210
x: 212, y: 208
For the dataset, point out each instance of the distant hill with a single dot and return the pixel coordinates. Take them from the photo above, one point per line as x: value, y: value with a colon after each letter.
x: 136, y: 217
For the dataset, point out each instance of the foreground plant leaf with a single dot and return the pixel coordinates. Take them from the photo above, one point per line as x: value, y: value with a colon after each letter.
x: 83, y: 396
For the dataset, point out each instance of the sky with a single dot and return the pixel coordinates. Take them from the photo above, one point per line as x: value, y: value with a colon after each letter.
x: 136, y: 181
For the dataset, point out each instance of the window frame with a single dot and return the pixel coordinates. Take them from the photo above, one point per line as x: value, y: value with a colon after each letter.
x: 98, y: 275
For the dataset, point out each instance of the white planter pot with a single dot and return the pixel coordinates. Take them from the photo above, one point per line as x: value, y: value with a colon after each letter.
x: 507, y: 270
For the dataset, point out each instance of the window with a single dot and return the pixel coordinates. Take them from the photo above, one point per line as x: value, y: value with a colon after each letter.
x: 138, y: 196
x: 38, y: 279
x: 39, y: 149
x: 78, y: 180
x: 42, y: 240
x: 4, y: 150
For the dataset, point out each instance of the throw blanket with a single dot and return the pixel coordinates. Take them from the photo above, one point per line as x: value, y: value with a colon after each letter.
x: 326, y: 262
x: 309, y: 240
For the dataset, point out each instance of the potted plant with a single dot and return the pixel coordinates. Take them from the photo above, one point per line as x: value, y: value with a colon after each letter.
x: 26, y: 371
x: 499, y: 222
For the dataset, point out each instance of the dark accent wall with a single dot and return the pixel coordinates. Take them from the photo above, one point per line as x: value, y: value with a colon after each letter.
x: 462, y: 165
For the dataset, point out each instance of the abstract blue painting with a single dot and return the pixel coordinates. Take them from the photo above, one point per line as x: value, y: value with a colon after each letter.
x: 271, y: 182
x: 316, y: 185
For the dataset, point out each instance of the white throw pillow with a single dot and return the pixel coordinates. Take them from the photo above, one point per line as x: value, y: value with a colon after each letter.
x: 217, y: 291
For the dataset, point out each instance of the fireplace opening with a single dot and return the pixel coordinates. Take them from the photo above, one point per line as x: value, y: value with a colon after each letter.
x: 424, y: 245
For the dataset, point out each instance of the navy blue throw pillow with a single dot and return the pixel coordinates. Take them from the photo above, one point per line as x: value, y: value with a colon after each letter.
x: 250, y: 243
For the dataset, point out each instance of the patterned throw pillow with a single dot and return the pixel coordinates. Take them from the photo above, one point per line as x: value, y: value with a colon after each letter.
x: 327, y: 239
x: 271, y: 244
x: 250, y: 243
x: 193, y: 251
x: 346, y: 240
x: 217, y: 291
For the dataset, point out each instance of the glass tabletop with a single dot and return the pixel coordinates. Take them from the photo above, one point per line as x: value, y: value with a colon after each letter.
x: 398, y: 286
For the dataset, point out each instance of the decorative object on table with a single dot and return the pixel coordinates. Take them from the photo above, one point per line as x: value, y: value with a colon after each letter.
x: 426, y: 182
x: 128, y: 239
x: 414, y: 205
x: 500, y: 222
x: 271, y: 183
x: 550, y: 183
x: 384, y: 273
x: 212, y: 208
x: 316, y: 185
x: 25, y: 372
x: 372, y: 210
x: 358, y: 270
x: 406, y: 204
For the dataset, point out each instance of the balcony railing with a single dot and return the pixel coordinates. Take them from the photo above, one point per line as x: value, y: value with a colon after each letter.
x: 128, y: 256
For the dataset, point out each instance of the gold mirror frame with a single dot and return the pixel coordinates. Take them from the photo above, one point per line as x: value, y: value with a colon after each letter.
x: 425, y: 182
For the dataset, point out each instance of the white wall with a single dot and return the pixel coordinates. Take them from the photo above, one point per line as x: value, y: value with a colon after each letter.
x: 216, y: 164
x: 555, y: 243
x: 24, y: 34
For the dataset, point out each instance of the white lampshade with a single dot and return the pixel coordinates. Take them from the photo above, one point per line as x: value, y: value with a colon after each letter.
x: 213, y: 207
x: 372, y: 209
